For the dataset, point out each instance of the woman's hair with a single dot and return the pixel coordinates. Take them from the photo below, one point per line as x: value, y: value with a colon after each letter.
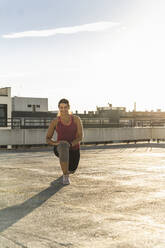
x: 63, y: 100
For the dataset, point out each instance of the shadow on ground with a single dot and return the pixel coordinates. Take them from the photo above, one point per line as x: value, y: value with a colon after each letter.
x: 11, y: 215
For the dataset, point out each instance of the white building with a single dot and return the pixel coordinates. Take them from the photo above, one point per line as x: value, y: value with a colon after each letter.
x: 29, y: 104
x: 5, y: 106
x: 20, y: 107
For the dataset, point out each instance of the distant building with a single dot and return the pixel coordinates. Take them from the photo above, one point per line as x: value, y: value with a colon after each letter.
x: 5, y: 106
x: 113, y: 113
x: 28, y: 112
x: 29, y: 104
x: 14, y: 111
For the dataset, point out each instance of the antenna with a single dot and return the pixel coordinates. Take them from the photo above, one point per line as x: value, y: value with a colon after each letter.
x: 134, y: 107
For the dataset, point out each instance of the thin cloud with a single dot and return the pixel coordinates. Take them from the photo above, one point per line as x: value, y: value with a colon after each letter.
x: 91, y: 27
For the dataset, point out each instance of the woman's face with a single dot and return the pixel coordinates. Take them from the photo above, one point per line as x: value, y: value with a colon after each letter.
x: 63, y: 108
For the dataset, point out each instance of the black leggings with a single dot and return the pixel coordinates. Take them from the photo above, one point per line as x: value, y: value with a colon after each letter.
x: 74, y: 158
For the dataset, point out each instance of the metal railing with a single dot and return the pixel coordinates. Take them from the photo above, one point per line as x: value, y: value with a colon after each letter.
x: 27, y: 123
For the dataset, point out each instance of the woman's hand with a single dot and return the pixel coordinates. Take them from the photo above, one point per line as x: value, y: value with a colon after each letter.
x: 64, y: 142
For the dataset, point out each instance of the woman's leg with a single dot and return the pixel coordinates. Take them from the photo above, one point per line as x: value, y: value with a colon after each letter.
x: 64, y: 167
x: 63, y: 151
x: 74, y: 158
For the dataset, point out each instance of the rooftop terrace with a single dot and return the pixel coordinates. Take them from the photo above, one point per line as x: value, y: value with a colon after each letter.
x: 116, y: 199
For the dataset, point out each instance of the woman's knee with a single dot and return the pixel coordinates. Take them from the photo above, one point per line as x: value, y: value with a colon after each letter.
x: 63, y: 150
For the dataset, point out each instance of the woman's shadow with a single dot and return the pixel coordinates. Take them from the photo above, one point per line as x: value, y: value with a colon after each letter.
x: 11, y: 215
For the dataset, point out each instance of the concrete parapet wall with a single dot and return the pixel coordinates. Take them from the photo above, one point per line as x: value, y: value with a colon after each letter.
x: 116, y: 134
x: 22, y: 137
x: 158, y: 133
x: 37, y: 136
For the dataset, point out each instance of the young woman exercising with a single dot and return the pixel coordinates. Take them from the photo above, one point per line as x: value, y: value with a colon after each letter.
x: 69, y: 134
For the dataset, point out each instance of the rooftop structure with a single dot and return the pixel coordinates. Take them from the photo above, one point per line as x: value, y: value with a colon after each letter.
x: 5, y: 106
x: 29, y: 104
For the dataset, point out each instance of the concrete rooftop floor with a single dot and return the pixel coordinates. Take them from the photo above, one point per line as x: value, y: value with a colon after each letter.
x: 116, y: 199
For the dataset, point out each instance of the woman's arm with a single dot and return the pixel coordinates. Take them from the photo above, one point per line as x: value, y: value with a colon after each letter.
x: 80, y: 133
x: 50, y: 133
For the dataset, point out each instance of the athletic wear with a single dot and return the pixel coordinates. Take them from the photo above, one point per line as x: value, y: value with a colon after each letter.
x: 74, y: 157
x: 67, y: 132
x: 63, y: 151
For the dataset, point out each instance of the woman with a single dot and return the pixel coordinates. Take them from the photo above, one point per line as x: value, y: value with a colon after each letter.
x: 69, y: 134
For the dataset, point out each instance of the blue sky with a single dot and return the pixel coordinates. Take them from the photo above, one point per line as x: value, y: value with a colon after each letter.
x: 93, y: 52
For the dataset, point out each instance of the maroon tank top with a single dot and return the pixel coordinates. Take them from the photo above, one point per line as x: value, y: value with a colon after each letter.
x: 67, y: 132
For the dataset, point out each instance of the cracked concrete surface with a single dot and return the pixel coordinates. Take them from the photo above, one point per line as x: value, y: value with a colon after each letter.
x: 116, y: 199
